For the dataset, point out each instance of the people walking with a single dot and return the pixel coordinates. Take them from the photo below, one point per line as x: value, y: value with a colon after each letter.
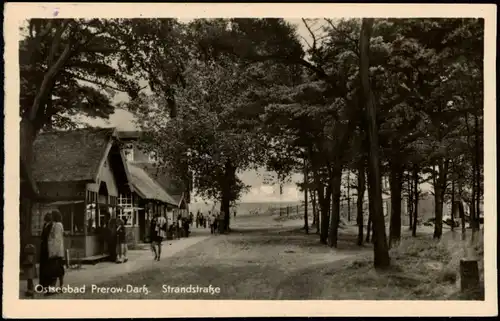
x: 214, y: 223
x: 158, y: 224
x: 44, y: 273
x: 220, y: 223
x: 56, y: 250
x: 185, y: 224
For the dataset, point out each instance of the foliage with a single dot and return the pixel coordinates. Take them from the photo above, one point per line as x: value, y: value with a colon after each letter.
x: 66, y: 68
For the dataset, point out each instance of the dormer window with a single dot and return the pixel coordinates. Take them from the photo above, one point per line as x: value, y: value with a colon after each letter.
x: 128, y: 150
x: 152, y: 157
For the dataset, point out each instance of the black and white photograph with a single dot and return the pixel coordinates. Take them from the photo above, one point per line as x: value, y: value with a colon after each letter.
x: 223, y: 157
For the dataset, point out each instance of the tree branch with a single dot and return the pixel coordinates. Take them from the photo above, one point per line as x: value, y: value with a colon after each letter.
x: 311, y: 33
x: 56, y: 42
x: 48, y: 79
x: 95, y: 82
x: 353, y: 40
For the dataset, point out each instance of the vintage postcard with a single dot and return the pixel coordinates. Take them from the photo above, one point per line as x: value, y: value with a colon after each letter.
x: 187, y: 160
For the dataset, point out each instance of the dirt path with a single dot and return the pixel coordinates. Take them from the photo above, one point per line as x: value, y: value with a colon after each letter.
x: 253, y: 262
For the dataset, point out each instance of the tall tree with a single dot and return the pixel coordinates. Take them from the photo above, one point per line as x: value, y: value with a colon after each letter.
x: 381, y: 252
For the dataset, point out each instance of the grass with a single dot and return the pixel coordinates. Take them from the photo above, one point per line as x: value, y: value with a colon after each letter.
x: 421, y: 269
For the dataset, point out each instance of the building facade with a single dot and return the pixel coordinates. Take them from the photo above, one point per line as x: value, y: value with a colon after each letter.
x: 79, y: 174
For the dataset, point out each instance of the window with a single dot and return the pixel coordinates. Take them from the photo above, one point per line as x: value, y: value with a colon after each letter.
x: 90, y: 217
x: 39, y: 211
x: 79, y: 218
x: 127, y: 209
x: 67, y: 218
x: 129, y: 152
x: 71, y: 214
x: 105, y: 212
x: 152, y: 157
x: 127, y: 214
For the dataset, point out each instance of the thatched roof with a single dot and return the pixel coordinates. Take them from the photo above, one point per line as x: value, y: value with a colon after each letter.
x: 171, y: 185
x: 62, y: 156
x: 147, y: 187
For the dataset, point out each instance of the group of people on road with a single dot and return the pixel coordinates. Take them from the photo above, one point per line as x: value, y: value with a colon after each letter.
x: 215, y: 221
x: 159, y: 228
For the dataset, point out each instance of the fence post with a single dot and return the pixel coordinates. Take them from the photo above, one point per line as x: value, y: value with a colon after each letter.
x: 469, y: 275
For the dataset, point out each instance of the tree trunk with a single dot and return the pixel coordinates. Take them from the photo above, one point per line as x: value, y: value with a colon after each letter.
x: 361, y: 194
x: 453, y: 208
x: 439, y: 192
x: 27, y: 136
x: 415, y: 198
x: 318, y: 219
x: 228, y: 182
x: 334, y: 222
x: 410, y: 201
x: 369, y: 227
x: 461, y: 211
x: 48, y: 78
x: 306, y: 182
x: 313, y: 201
x: 348, y: 196
x: 472, y: 215
x: 324, y: 204
x: 381, y: 251
x: 477, y: 162
x: 396, y: 182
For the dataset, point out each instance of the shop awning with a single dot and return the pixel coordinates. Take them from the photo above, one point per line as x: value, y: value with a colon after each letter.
x: 148, y: 188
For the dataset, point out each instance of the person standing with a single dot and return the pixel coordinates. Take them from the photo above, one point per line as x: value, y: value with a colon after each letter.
x: 220, y: 223
x: 56, y: 250
x: 179, y: 226
x: 211, y: 223
x: 214, y: 220
x: 113, y: 240
x: 153, y: 236
x: 160, y: 233
x: 121, y: 234
x: 125, y: 244
x: 29, y: 269
x: 44, y: 266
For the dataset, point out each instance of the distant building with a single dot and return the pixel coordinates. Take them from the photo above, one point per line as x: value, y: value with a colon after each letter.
x: 147, y: 162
